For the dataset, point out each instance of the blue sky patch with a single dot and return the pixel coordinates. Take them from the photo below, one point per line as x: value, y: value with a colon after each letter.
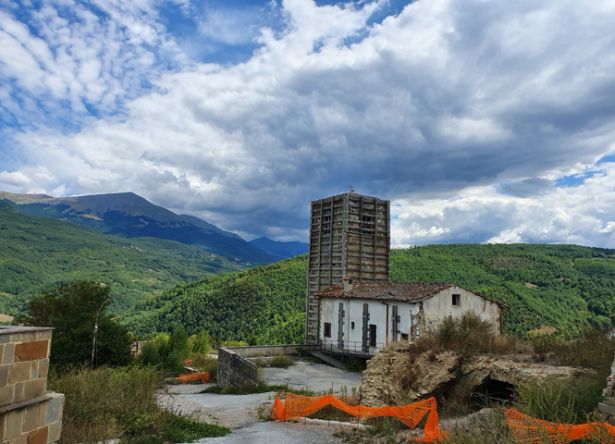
x: 609, y: 158
x: 573, y: 180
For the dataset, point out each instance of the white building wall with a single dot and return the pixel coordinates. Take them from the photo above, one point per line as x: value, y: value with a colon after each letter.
x: 441, y: 306
x: 434, y: 310
x: 379, y: 313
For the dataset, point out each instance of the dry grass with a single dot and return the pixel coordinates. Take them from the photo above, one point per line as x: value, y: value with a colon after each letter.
x: 594, y: 349
x: 98, y: 400
x: 206, y: 363
x: 111, y: 403
x: 489, y: 427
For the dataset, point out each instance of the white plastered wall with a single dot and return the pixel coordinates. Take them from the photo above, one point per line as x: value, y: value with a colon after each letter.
x: 435, y: 309
x: 441, y: 306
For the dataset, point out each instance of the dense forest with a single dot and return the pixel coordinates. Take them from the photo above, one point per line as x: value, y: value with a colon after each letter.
x: 36, y: 253
x: 259, y: 305
x: 565, y: 286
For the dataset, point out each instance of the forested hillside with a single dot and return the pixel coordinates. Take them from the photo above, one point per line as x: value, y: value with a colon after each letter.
x: 37, y: 252
x: 259, y: 305
x: 566, y: 286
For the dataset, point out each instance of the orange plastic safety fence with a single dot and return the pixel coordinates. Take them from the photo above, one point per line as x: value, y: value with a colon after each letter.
x: 526, y: 429
x: 297, y: 406
x: 193, y: 377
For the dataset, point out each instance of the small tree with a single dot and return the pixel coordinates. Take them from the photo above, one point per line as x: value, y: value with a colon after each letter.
x: 84, y: 333
x: 178, y: 349
x: 199, y: 343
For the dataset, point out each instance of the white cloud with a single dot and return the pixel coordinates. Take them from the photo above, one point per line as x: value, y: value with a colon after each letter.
x: 437, y: 108
x: 577, y: 215
x: 71, y: 57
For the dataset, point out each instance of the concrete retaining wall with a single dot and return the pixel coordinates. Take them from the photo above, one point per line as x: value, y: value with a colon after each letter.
x: 235, y: 370
x: 235, y: 366
x: 28, y: 413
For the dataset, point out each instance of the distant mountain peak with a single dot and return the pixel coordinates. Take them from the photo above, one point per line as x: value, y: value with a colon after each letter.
x: 128, y: 214
x: 280, y: 249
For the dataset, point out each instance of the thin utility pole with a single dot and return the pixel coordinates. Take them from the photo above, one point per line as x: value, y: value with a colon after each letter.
x: 98, y: 310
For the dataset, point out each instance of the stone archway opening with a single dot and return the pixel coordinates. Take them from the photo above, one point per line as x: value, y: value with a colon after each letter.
x: 492, y: 392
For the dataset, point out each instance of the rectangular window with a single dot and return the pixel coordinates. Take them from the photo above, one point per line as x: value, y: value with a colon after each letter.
x: 372, y: 335
x: 456, y: 299
x: 327, y: 329
x: 404, y: 337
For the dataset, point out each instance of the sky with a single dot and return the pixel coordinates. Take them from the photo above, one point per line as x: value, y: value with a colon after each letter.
x: 481, y: 121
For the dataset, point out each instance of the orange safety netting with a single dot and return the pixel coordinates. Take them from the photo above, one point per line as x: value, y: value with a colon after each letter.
x: 193, y: 377
x: 527, y: 429
x: 296, y: 406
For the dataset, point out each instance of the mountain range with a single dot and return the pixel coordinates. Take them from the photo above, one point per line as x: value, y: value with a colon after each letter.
x: 132, y: 216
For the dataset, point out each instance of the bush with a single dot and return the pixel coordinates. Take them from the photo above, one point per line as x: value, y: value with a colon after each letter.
x: 468, y: 335
x: 150, y: 354
x: 121, y: 403
x: 199, y: 343
x: 169, y: 351
x: 561, y: 400
x: 281, y: 362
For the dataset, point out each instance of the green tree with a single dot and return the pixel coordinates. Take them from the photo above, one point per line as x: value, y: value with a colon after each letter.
x: 178, y: 349
x: 84, y: 333
x: 199, y: 343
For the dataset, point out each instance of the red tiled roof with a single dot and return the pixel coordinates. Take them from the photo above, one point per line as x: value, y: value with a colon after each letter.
x: 397, y: 291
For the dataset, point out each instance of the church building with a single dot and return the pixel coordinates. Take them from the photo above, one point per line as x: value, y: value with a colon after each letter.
x: 352, y: 307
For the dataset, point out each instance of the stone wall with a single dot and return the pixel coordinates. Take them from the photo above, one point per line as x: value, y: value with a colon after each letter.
x: 607, y: 407
x: 28, y: 413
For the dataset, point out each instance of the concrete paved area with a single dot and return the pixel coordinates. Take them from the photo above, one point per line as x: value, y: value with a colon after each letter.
x: 240, y: 412
x: 277, y: 433
x: 232, y: 411
x: 319, y: 378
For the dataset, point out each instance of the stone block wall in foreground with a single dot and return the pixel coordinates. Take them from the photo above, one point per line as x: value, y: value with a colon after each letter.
x: 29, y: 414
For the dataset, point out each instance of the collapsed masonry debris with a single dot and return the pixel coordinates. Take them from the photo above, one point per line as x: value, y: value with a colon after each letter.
x: 391, y: 377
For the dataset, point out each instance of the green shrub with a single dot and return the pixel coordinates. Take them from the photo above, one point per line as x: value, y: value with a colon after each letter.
x: 561, y: 400
x: 199, y: 343
x: 173, y: 428
x: 150, y: 354
x: 281, y: 362
x: 231, y: 343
